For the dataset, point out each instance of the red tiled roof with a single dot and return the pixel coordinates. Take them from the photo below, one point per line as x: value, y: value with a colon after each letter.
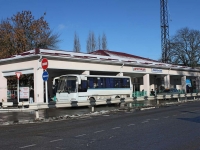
x: 120, y: 54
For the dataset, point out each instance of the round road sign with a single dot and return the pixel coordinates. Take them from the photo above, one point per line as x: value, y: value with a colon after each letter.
x: 45, y: 75
x: 44, y: 63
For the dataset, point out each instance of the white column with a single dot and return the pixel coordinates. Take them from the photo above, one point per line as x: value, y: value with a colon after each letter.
x: 146, y: 84
x: 183, y: 83
x: 38, y: 86
x: 167, y: 81
x: 197, y: 84
x: 3, y: 88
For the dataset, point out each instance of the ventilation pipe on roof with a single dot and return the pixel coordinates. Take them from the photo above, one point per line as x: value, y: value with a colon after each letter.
x: 39, y: 60
x: 37, y: 50
x: 121, y: 69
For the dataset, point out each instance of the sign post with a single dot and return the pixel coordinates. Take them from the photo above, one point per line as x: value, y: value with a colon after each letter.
x: 18, y: 76
x: 45, y: 76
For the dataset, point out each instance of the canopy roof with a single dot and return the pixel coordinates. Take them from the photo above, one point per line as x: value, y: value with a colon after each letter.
x: 99, y: 55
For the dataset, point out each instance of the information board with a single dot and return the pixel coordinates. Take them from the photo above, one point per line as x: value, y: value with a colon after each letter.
x: 24, y: 92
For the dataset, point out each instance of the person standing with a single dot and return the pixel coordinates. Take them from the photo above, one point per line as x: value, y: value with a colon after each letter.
x: 31, y: 95
x: 152, y: 92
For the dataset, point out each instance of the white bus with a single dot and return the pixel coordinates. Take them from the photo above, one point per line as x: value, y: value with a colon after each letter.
x: 91, y: 87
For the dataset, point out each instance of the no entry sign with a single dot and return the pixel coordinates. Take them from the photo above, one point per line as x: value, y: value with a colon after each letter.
x: 44, y: 63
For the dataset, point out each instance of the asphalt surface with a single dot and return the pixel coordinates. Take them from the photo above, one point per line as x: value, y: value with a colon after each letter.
x: 174, y: 127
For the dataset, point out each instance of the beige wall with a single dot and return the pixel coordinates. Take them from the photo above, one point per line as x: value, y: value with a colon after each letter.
x: 90, y: 66
x: 14, y: 67
x: 3, y: 89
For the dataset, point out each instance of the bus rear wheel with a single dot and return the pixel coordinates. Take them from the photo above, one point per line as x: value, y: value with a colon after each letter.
x: 91, y: 99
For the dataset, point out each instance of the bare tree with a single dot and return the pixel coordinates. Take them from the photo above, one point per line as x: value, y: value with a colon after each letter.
x: 77, y: 46
x: 91, y: 42
x: 185, y: 47
x: 99, y: 44
x: 23, y: 32
x: 104, y: 42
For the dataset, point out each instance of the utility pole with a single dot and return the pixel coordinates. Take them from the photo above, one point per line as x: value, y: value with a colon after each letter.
x: 164, y: 31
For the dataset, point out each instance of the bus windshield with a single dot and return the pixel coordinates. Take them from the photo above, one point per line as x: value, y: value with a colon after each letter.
x: 67, y: 84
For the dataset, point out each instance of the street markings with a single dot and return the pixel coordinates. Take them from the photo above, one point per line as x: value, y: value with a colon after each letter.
x: 28, y: 146
x: 116, y: 128
x: 98, y: 131
x: 80, y: 135
x: 56, y: 140
x: 130, y: 125
x: 145, y: 121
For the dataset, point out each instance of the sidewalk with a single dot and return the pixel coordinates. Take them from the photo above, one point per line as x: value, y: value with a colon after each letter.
x: 12, y: 115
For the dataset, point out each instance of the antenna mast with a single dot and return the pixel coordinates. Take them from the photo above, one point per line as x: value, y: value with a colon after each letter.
x: 164, y: 30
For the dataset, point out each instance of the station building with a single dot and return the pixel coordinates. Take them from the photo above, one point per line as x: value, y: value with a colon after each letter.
x: 146, y: 74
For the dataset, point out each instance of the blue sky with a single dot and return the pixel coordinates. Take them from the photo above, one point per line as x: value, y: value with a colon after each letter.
x: 131, y: 26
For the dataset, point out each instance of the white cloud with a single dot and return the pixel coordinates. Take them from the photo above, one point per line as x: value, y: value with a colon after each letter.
x: 61, y: 26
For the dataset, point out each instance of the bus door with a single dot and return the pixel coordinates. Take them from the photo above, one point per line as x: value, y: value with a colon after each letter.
x: 72, y: 88
x: 82, y: 90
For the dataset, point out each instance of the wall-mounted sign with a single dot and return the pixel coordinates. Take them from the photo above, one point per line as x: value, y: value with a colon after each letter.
x: 155, y: 70
x: 24, y: 92
x: 8, y: 94
x: 138, y: 69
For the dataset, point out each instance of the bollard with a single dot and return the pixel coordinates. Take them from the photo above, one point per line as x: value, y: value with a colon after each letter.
x: 130, y: 105
x: 122, y: 105
x: 157, y: 101
x: 36, y: 114
x: 92, y: 108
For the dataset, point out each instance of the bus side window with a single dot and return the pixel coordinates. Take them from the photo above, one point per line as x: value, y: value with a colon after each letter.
x: 124, y: 83
x: 90, y: 82
x: 102, y: 82
x: 84, y: 85
x: 116, y: 82
x: 108, y: 85
x: 111, y: 82
x: 99, y: 83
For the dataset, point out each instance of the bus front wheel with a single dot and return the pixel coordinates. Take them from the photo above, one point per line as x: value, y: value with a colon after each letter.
x: 91, y: 99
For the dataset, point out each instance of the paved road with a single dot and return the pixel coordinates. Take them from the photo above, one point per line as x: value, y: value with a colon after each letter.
x: 174, y: 127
